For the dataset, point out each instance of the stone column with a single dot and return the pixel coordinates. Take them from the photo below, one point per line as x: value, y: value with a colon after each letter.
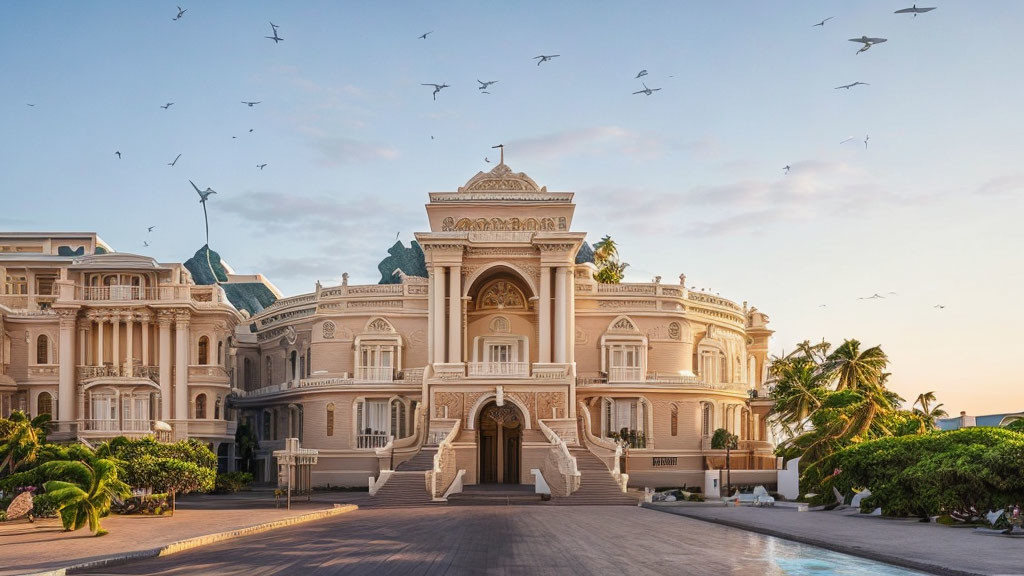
x: 66, y: 370
x: 560, y: 315
x: 145, y: 340
x: 455, y: 315
x: 164, y: 321
x: 115, y: 334
x: 82, y: 340
x: 181, y: 352
x: 98, y: 360
x: 544, y: 312
x: 570, y: 298
x: 438, y: 314
x: 129, y: 323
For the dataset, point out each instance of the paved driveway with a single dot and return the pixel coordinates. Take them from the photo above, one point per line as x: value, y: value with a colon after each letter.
x: 506, y: 540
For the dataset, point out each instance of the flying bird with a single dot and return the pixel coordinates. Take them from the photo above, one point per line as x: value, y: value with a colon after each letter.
x: 544, y: 58
x: 150, y: 229
x: 786, y: 168
x: 261, y: 166
x: 250, y: 130
x: 875, y: 296
x: 203, y: 194
x: 850, y: 139
x: 939, y: 306
x: 424, y: 35
x: 848, y: 86
x: 180, y: 13
x: 866, y: 138
x: 914, y: 10
x: 437, y: 88
x: 118, y: 154
x: 822, y: 23
x: 486, y: 159
x: 484, y: 92
x: 275, y: 37
x: 867, y: 42
x: 646, y: 90
x: 640, y: 73
x: 31, y: 105
x: 175, y: 160
x: 146, y: 244
x: 168, y: 105
x: 484, y: 85
x: 250, y: 104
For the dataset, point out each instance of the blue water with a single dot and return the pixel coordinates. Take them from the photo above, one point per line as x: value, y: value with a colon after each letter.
x: 785, y: 558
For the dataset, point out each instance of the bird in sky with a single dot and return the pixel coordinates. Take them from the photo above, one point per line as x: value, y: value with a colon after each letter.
x: 30, y: 105
x: 484, y: 92
x: 544, y: 58
x: 486, y: 159
x: 484, y: 85
x: 875, y: 296
x: 822, y: 23
x: 850, y: 139
x: 867, y: 42
x: 261, y: 166
x: 640, y: 73
x: 250, y: 130
x: 786, y: 168
x: 250, y: 104
x: 914, y: 10
x: 168, y: 105
x: 437, y: 88
x: 146, y: 244
x: 118, y: 154
x: 150, y: 229
x: 822, y: 305
x: 646, y: 90
x: 181, y: 13
x: 275, y: 37
x: 939, y: 306
x: 424, y: 35
x: 866, y: 138
x: 175, y: 160
x: 848, y: 86
x: 203, y: 194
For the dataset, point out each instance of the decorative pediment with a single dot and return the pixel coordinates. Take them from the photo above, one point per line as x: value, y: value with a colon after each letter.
x: 623, y: 325
x: 499, y: 295
x: 380, y: 326
x: 501, y: 179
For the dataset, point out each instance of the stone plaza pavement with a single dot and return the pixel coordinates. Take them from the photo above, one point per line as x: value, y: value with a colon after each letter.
x: 905, y: 542
x: 27, y: 548
x: 534, y: 540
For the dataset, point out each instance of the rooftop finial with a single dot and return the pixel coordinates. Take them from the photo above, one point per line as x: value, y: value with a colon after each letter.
x: 502, y: 148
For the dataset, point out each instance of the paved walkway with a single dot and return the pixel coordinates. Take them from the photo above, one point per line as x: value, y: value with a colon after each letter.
x: 44, y: 545
x: 507, y: 540
x: 905, y: 542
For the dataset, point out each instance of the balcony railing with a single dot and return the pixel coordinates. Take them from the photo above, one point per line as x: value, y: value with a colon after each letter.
x: 118, y: 293
x: 499, y: 369
x: 625, y: 374
x: 367, y: 441
x: 91, y: 372
x: 43, y: 370
x: 375, y: 373
x: 111, y: 425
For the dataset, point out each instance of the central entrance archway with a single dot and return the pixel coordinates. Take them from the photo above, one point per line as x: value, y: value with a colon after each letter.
x: 500, y: 439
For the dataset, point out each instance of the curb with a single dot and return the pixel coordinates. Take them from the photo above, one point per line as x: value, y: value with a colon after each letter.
x: 828, y: 545
x: 196, y: 542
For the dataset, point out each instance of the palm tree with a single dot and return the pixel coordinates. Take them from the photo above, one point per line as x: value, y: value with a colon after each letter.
x: 23, y: 441
x: 85, y: 496
x: 926, y: 411
x: 798, y: 390
x: 605, y: 250
x: 852, y: 369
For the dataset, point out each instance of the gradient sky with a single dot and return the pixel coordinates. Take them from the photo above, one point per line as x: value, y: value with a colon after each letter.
x: 687, y: 180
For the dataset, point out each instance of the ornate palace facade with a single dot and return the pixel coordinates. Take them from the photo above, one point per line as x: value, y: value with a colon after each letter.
x: 488, y: 353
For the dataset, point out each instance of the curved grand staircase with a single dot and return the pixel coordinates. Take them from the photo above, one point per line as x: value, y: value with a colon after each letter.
x: 407, y: 486
x: 597, y: 486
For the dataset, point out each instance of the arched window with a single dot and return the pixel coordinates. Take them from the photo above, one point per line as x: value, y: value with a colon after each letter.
x: 745, y: 424
x: 309, y: 362
x: 705, y: 419
x: 247, y: 373
x: 267, y: 424
x: 270, y: 371
x: 398, y: 418
x: 42, y: 349
x: 216, y: 409
x: 330, y: 419
x: 204, y: 350
x: 293, y: 359
x: 44, y: 404
x: 201, y: 407
x: 220, y: 353
x: 674, y: 423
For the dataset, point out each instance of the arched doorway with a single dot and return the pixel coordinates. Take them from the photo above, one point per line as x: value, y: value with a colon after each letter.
x: 500, y: 439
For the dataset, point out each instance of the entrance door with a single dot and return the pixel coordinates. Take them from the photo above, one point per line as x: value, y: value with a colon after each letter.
x: 500, y: 443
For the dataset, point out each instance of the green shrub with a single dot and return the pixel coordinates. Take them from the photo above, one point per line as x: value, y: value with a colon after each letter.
x: 722, y: 438
x: 230, y: 482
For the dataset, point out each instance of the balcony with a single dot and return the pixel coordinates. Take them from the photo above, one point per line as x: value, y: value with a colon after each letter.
x: 370, y: 441
x: 118, y: 426
x: 94, y: 372
x: 499, y: 369
x: 375, y: 373
x: 625, y: 374
x: 116, y: 293
x: 212, y: 373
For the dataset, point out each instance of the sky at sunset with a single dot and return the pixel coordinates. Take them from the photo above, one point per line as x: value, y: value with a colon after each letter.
x: 687, y: 180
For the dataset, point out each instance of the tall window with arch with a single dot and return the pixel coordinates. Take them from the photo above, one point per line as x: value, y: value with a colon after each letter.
x: 674, y: 420
x: 42, y: 349
x: 220, y: 353
x: 269, y: 371
x: 330, y: 419
x: 44, y: 404
x: 204, y: 350
x: 201, y: 407
x: 216, y: 409
x: 705, y: 419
